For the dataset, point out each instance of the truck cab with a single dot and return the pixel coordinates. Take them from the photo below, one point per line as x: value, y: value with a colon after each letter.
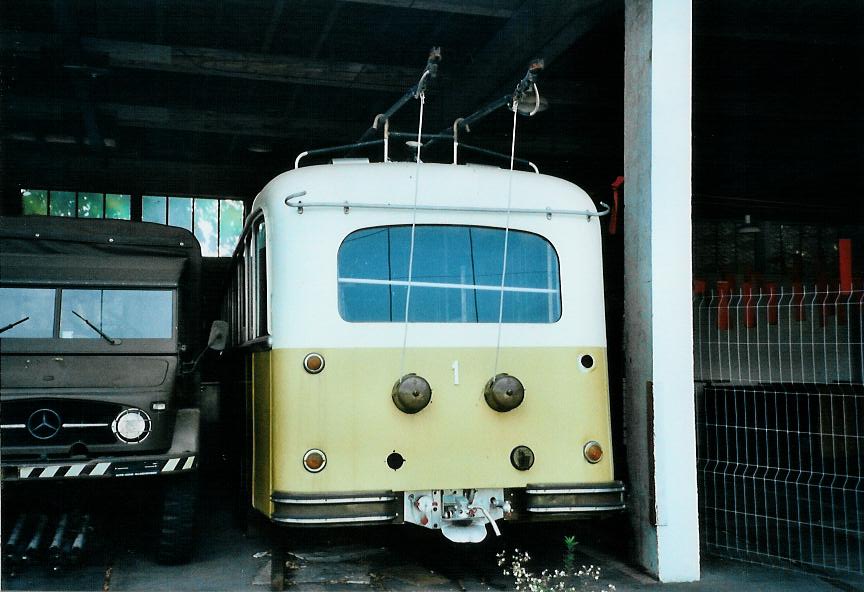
x: 98, y: 330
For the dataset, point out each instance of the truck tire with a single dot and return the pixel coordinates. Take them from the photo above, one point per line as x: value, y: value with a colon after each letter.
x: 177, y: 527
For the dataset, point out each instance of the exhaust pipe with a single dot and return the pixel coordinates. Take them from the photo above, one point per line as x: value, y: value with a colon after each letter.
x: 80, y: 542
x: 32, y: 550
x: 11, y: 550
x: 55, y: 551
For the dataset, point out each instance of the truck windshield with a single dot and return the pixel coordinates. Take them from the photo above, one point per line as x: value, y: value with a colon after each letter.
x: 34, y: 304
x: 127, y: 314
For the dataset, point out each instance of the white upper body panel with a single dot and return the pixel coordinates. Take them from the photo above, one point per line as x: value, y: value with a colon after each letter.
x: 302, y: 249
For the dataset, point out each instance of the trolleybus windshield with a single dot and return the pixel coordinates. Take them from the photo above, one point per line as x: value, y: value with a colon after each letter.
x: 456, y: 275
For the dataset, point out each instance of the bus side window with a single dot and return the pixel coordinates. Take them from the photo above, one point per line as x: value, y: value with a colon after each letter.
x: 237, y: 297
x: 248, y: 282
x: 261, y: 277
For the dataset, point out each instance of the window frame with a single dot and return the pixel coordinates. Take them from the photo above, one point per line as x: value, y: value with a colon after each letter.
x: 475, y: 287
x: 246, y: 303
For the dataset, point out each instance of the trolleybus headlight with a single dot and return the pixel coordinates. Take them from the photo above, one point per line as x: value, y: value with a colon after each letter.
x: 313, y: 363
x: 522, y: 458
x: 314, y: 460
x: 504, y: 393
x: 131, y: 425
x: 411, y: 393
x: 593, y: 452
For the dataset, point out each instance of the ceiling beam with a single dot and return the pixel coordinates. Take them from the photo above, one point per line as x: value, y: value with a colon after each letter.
x: 24, y: 109
x: 204, y: 61
x: 491, y: 8
x: 76, y: 170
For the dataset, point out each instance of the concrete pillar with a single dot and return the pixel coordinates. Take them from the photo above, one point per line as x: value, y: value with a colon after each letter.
x: 659, y: 407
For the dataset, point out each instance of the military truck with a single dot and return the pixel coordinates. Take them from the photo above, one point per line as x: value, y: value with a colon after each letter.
x: 100, y: 339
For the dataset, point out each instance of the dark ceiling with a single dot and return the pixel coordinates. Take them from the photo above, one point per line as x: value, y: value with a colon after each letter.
x: 215, y: 98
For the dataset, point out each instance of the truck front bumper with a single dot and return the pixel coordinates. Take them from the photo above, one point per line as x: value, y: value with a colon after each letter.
x: 181, y: 457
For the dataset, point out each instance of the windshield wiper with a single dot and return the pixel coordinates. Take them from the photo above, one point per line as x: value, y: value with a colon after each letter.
x: 103, y: 335
x: 15, y: 324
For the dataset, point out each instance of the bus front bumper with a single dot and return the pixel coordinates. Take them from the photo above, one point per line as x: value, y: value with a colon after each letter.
x: 435, y: 508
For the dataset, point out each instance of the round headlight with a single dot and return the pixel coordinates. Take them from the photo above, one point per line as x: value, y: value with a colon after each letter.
x: 314, y: 460
x: 411, y: 393
x: 504, y: 393
x: 131, y: 426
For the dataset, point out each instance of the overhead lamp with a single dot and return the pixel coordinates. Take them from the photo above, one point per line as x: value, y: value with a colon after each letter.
x: 60, y: 139
x: 748, y: 227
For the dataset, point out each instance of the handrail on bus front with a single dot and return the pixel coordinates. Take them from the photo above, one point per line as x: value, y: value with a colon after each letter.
x: 346, y: 206
x: 430, y: 137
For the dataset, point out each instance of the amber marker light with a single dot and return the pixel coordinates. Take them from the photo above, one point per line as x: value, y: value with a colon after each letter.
x: 314, y: 460
x: 593, y: 452
x: 313, y: 363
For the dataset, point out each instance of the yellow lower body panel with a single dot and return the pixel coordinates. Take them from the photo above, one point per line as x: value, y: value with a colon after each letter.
x: 457, y: 441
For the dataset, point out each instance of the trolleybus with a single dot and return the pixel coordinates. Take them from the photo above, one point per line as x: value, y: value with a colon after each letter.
x: 423, y: 344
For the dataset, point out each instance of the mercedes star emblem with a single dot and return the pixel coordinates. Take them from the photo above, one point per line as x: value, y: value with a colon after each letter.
x: 43, y: 424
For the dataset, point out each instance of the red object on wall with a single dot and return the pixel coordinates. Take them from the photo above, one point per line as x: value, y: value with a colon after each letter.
x: 723, y: 306
x: 844, y: 246
x: 616, y: 202
x: 772, y: 303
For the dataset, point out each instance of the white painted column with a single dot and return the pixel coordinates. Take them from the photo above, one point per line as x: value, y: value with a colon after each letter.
x: 659, y: 407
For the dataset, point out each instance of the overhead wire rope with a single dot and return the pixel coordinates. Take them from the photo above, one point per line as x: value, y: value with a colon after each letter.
x: 422, y: 96
x: 506, y: 237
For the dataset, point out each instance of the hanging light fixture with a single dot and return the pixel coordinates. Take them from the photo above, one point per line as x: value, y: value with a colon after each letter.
x: 748, y: 227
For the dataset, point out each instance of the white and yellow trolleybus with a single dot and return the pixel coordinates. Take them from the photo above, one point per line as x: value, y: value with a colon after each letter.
x: 425, y: 344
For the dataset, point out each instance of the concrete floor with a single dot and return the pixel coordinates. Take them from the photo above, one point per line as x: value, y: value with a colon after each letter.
x: 229, y: 557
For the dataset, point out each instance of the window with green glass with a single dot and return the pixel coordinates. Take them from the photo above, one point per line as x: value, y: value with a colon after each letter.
x: 230, y: 225
x: 207, y: 226
x: 91, y: 205
x: 216, y: 223
x: 118, y: 206
x: 154, y: 208
x: 34, y: 202
x: 180, y: 212
x: 63, y: 203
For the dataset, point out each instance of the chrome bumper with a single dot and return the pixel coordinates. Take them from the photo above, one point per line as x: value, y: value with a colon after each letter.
x: 561, y: 501
x: 534, y: 502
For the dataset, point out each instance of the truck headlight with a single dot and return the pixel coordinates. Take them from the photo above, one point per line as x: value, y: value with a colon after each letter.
x: 131, y: 426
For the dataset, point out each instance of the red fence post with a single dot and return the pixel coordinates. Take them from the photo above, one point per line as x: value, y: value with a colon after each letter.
x: 749, y: 309
x: 723, y: 306
x: 797, y: 302
x: 844, y: 247
x: 772, y: 303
